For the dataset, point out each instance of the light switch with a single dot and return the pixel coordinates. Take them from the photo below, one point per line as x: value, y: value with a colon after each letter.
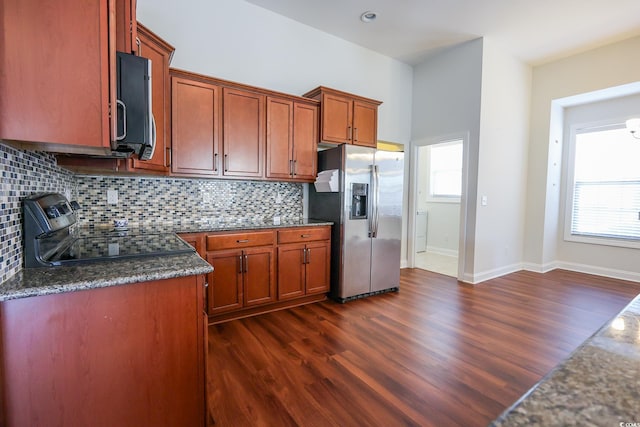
x: 483, y: 201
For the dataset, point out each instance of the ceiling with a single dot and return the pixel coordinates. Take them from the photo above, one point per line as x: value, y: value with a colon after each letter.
x: 536, y: 31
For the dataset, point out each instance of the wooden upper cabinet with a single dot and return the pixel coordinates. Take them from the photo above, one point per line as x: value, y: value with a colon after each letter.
x: 337, y: 118
x: 160, y: 53
x: 195, y: 127
x: 279, y: 138
x: 292, y: 140
x: 58, y: 75
x: 346, y: 118
x: 365, y: 122
x: 305, y: 141
x: 126, y: 26
x: 243, y: 133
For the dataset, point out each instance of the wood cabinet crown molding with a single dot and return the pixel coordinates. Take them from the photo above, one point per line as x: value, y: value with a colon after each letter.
x: 235, y: 85
x: 314, y: 93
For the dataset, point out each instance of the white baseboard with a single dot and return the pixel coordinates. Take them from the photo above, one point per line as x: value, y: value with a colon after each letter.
x: 539, y: 268
x: 600, y: 271
x: 442, y: 251
x: 404, y: 263
x: 492, y: 274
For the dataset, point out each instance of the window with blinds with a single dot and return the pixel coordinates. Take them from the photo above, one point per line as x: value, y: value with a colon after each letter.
x: 606, y: 184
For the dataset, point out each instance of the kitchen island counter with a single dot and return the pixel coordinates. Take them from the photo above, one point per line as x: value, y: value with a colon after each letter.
x: 52, y: 280
x: 596, y: 386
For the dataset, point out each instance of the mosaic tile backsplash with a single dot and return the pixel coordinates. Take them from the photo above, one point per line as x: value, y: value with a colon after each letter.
x: 151, y: 201
x: 24, y: 173
x: 142, y: 200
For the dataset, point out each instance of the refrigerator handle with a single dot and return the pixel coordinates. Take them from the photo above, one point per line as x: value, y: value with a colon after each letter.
x: 376, y: 201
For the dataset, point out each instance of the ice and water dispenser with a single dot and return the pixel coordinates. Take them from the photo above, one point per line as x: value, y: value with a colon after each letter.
x: 359, y: 203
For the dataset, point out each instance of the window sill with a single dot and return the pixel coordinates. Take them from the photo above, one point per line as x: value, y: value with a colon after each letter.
x: 603, y: 241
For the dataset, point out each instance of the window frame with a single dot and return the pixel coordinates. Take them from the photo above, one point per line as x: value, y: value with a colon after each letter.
x: 574, y: 130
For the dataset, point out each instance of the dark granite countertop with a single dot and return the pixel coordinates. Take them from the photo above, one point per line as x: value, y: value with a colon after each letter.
x: 209, y: 225
x: 598, y: 385
x: 51, y: 280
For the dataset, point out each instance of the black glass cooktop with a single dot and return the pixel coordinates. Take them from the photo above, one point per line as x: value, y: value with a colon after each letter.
x: 118, y: 245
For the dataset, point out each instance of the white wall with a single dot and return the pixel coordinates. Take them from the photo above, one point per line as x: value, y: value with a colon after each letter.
x: 609, y: 66
x: 446, y: 100
x: 238, y: 41
x: 502, y: 163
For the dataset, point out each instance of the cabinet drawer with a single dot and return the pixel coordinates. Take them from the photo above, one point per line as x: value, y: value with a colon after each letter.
x: 239, y: 240
x: 304, y: 234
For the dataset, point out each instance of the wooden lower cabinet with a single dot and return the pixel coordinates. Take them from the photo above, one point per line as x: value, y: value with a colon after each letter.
x: 265, y: 270
x: 241, y: 278
x: 303, y: 269
x: 128, y: 355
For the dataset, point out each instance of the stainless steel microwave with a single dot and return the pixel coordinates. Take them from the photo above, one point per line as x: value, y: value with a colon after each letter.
x: 135, y: 124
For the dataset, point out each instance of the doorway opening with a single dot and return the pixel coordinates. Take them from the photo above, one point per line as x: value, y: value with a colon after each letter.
x: 438, y: 205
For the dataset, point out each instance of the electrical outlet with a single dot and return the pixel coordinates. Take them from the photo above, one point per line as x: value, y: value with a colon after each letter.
x: 112, y: 197
x: 483, y: 201
x: 278, y: 198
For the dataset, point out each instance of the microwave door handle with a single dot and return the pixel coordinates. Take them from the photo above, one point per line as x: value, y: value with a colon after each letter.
x: 120, y: 104
x: 153, y: 135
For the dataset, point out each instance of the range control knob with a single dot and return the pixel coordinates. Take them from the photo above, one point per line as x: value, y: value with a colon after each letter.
x: 52, y: 212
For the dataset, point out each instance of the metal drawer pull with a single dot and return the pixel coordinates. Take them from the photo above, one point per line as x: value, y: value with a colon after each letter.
x: 304, y: 236
x: 242, y: 241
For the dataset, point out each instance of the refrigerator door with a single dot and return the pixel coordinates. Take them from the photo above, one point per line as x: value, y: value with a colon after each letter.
x: 386, y: 245
x: 356, y: 249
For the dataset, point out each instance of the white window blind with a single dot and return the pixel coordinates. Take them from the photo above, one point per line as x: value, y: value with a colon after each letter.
x: 606, y: 187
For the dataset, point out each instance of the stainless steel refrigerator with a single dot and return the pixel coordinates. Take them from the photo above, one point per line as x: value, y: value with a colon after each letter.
x: 366, y: 211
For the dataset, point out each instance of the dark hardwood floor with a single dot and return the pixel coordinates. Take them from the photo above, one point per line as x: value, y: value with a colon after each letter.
x: 437, y: 353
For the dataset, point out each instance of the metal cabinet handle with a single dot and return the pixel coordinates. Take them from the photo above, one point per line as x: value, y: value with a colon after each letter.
x: 304, y: 255
x: 246, y: 263
x: 120, y: 104
x: 355, y: 134
x: 349, y: 133
x: 295, y: 165
x: 215, y: 162
x: 290, y: 167
x: 226, y: 162
x: 308, y: 255
x: 242, y: 241
x: 240, y: 267
x: 168, y: 164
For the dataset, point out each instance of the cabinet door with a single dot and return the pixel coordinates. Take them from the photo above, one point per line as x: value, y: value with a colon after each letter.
x: 280, y: 130
x: 159, y: 52
x: 243, y: 133
x: 126, y: 26
x: 57, y: 75
x: 336, y: 118
x: 291, y: 271
x: 259, y: 276
x: 365, y: 124
x: 318, y: 267
x: 305, y: 141
x: 225, y: 282
x: 194, y: 127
